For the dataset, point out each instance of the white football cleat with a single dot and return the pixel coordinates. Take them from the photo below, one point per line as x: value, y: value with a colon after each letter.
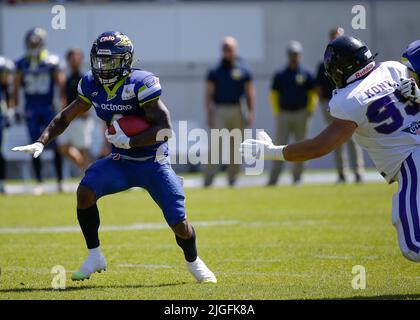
x: 200, y: 271
x: 38, y: 189
x: 92, y: 264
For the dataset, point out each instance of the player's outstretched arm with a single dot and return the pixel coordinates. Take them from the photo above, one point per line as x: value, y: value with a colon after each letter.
x: 338, y: 132
x: 56, y: 127
x: 158, y: 116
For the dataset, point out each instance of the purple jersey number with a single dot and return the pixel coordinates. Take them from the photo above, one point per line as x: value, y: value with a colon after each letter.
x: 385, y: 112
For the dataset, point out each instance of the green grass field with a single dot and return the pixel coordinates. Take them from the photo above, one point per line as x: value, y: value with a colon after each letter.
x: 262, y: 243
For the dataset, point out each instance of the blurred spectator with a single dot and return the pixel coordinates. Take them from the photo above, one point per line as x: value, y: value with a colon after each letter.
x: 76, y: 141
x: 37, y: 74
x: 325, y: 88
x: 293, y: 100
x: 226, y: 86
x: 6, y: 68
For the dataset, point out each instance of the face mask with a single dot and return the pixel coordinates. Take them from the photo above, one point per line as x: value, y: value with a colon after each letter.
x: 34, y: 52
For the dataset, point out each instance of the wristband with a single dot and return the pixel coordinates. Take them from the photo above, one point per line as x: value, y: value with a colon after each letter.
x: 278, y: 152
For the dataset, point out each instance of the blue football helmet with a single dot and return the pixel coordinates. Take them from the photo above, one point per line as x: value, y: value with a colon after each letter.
x: 35, y: 41
x: 111, y: 57
x: 411, y: 57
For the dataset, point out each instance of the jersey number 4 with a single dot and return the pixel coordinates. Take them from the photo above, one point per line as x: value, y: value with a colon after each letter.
x: 385, y: 112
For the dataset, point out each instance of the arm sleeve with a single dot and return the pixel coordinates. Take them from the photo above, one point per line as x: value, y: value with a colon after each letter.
x: 312, y: 100
x: 211, y: 76
x: 310, y: 82
x: 275, y: 84
x: 248, y: 75
x: 339, y: 112
x: 150, y: 90
x: 275, y: 95
x: 275, y: 101
x: 82, y: 90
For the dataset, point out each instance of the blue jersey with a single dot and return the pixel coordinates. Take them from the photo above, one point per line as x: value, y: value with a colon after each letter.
x: 126, y: 97
x: 38, y: 81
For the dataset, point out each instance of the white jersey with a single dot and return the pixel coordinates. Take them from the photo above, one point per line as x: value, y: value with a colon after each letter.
x: 388, y: 124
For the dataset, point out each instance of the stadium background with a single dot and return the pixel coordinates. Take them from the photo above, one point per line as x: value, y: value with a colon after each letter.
x: 179, y: 41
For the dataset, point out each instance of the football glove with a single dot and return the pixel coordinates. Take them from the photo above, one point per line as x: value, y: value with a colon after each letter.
x: 261, y: 149
x: 410, y: 90
x: 119, y: 139
x: 35, y: 149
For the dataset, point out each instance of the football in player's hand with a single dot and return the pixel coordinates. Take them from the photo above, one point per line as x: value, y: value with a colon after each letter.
x: 132, y: 125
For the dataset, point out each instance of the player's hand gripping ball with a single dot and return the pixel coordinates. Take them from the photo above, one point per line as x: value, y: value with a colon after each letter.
x: 121, y: 130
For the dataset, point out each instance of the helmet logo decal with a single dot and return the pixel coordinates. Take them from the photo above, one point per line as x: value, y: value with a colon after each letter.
x: 362, y: 72
x: 107, y: 38
x: 124, y: 41
x: 104, y: 52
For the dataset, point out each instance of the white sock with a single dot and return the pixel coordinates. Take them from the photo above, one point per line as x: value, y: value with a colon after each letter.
x: 95, y: 251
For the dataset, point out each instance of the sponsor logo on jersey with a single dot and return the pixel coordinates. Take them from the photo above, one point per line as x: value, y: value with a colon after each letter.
x: 94, y: 93
x: 151, y: 82
x: 300, y: 78
x: 414, y: 128
x: 113, y: 107
x: 128, y: 92
x: 236, y: 74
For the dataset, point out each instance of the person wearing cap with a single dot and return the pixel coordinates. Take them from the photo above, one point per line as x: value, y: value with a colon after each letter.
x: 229, y: 87
x: 293, y: 100
x: 325, y: 87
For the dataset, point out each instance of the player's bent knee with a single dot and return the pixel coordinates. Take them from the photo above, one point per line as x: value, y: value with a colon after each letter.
x: 85, y: 197
x: 183, y: 229
x: 411, y: 255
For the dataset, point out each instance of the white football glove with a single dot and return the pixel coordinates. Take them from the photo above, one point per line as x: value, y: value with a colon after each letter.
x: 119, y: 139
x: 261, y: 149
x: 410, y: 90
x: 35, y: 149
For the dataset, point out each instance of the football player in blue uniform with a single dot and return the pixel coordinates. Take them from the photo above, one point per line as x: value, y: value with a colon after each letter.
x: 411, y: 58
x: 38, y: 72
x: 115, y: 89
x: 6, y: 68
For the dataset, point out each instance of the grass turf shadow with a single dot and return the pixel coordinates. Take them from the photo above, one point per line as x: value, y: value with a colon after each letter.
x: 49, y: 289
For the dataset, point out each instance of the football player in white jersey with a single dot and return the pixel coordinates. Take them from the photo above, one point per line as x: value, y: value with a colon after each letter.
x: 370, y: 104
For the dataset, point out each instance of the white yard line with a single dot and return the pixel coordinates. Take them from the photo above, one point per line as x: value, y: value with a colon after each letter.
x: 220, y: 181
x: 144, y: 266
x: 133, y: 227
x: 156, y: 226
